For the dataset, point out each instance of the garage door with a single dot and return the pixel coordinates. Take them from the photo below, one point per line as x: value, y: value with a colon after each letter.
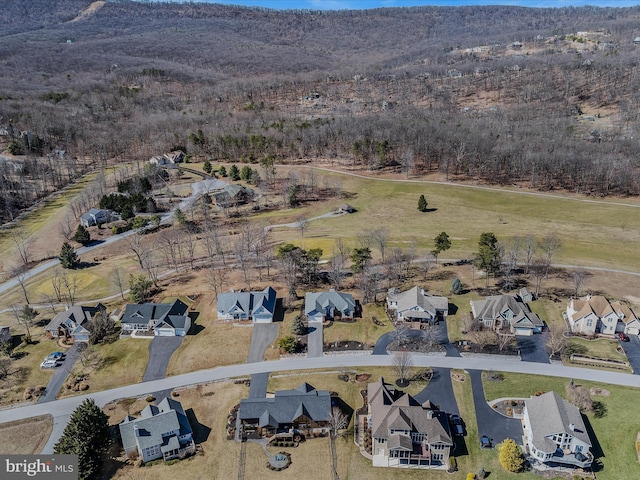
x: 524, y: 332
x: 633, y: 331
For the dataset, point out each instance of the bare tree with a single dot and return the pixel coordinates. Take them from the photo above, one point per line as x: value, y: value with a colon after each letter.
x: 101, y: 327
x: 539, y: 267
x: 70, y: 284
x: 579, y: 277
x: 118, y: 280
x: 549, y: 246
x: 138, y: 247
x: 22, y: 245
x: 556, y: 341
x: 338, y: 421
x: 56, y: 284
x: 20, y: 273
x: 68, y: 226
x: 216, y: 277
x: 380, y: 239
x: 504, y: 340
x: 402, y: 363
x: 25, y: 316
x: 530, y: 246
x: 427, y: 263
x: 302, y: 223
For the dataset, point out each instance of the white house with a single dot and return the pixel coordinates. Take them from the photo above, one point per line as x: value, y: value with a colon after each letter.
x: 162, y: 431
x: 257, y: 306
x: 416, y: 305
x: 555, y: 432
x: 595, y: 314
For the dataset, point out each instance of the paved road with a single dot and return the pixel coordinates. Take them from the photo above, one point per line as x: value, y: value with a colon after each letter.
x: 160, y: 351
x: 66, y: 405
x: 440, y: 391
x: 491, y: 423
x: 315, y: 340
x: 632, y: 349
x: 62, y: 372
x: 533, y: 348
x: 263, y: 335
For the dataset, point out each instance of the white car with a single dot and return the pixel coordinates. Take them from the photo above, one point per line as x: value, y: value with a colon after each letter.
x: 49, y: 364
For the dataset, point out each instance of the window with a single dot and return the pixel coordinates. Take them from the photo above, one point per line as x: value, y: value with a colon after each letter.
x: 589, y: 322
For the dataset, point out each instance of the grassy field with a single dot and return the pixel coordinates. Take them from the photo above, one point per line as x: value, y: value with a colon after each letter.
x: 615, y: 433
x: 25, y: 437
x: 363, y: 329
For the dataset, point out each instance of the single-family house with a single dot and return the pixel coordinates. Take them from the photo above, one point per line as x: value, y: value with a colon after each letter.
x: 595, y: 314
x: 346, y: 208
x: 5, y: 334
x: 417, y: 305
x: 302, y: 411
x: 555, y: 432
x: 161, y: 431
x: 257, y: 306
x: 506, y: 312
x: 321, y: 306
x: 405, y: 432
x: 170, y: 158
x: 232, y: 195
x: 95, y: 216
x: 72, y: 323
x: 163, y: 319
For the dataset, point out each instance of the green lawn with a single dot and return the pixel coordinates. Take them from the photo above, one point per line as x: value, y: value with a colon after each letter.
x: 615, y: 433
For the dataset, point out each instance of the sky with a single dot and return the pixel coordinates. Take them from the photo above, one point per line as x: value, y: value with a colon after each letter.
x: 365, y: 4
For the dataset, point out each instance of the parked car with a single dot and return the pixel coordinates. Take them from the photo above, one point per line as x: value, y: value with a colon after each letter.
x: 55, y: 356
x: 485, y: 442
x: 49, y: 363
x: 623, y: 337
x: 458, y: 428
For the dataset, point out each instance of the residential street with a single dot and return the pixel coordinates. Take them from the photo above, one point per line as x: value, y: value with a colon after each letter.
x: 67, y: 405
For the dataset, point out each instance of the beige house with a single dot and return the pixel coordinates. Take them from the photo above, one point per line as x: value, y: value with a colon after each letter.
x: 405, y: 433
x: 595, y: 314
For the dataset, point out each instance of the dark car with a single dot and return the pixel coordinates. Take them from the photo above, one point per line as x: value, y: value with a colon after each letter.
x: 485, y: 442
x: 456, y: 423
x: 623, y: 337
x: 55, y: 356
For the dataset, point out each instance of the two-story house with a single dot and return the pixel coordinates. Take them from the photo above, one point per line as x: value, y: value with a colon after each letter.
x: 161, y: 431
x: 406, y: 433
x: 595, y: 314
x: 555, y: 432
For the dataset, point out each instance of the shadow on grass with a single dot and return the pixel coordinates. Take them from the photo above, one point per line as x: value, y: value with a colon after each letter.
x: 596, y: 448
x: 460, y: 447
x: 200, y: 432
x: 453, y: 308
x: 278, y: 314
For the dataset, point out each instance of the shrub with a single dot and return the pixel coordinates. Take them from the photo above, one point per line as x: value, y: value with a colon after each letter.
x: 150, y: 398
x: 511, y: 456
x: 471, y: 476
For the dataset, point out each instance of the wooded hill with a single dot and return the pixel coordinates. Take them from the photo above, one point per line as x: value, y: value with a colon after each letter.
x: 543, y: 97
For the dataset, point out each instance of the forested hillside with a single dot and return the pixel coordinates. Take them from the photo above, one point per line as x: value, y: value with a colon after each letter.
x: 540, y: 97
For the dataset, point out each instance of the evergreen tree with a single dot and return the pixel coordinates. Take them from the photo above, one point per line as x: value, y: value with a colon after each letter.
x: 245, y: 173
x: 207, y: 167
x: 86, y: 435
x: 139, y: 288
x: 288, y: 344
x: 297, y: 326
x: 82, y: 235
x: 456, y: 286
x: 359, y: 258
x: 422, y: 204
x: 222, y: 171
x: 442, y: 243
x: 234, y: 173
x: 511, y: 456
x: 68, y: 256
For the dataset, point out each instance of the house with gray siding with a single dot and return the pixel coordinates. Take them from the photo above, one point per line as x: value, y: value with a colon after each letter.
x: 320, y: 306
x: 417, y: 305
x: 256, y: 306
x: 95, y: 216
x: 506, y: 312
x: 161, y: 431
x: 163, y: 319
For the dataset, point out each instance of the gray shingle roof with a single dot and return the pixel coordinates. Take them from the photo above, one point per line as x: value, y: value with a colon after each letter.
x: 551, y: 414
x: 72, y: 317
x: 247, y: 302
x: 496, y: 305
x: 156, y: 313
x: 416, y: 298
x: 316, y: 302
x: 287, y: 405
x: 392, y: 409
x: 153, y: 422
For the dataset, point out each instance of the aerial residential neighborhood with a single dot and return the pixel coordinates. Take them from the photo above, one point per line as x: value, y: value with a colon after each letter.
x: 330, y: 241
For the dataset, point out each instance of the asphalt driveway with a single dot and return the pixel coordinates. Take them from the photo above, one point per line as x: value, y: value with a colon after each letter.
x: 314, y: 339
x: 258, y: 387
x: 632, y: 349
x: 440, y: 336
x: 533, y: 348
x: 491, y: 423
x: 263, y: 335
x: 61, y: 373
x: 440, y: 391
x: 160, y: 351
